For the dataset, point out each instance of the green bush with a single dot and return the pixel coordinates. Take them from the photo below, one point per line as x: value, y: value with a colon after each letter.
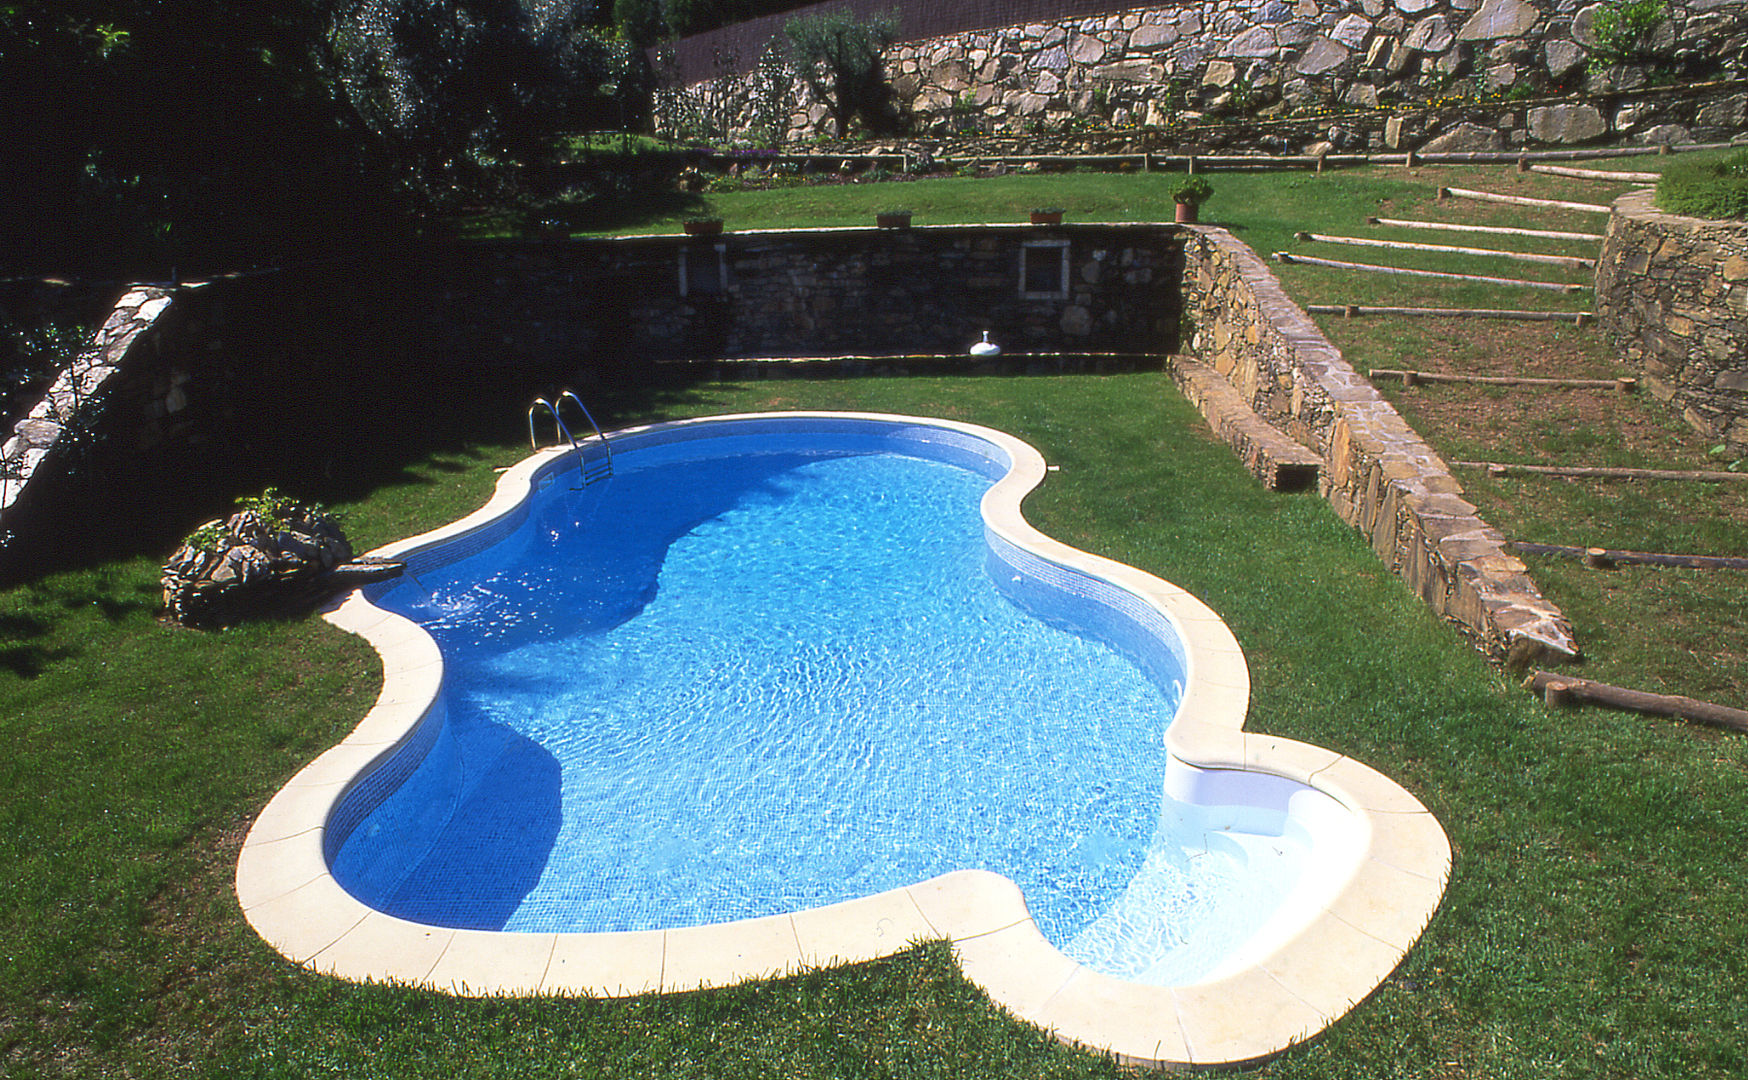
x: 1711, y: 189
x: 1625, y: 30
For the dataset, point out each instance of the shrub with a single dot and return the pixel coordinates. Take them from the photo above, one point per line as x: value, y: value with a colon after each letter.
x: 1711, y: 189
x: 1625, y: 30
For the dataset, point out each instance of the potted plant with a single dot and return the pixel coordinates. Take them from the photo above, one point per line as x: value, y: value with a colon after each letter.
x: 1190, y: 195
x: 703, y: 226
x: 892, y: 219
x: 1049, y: 215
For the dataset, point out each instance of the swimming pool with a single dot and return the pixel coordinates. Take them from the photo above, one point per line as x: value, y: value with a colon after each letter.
x: 1062, y: 876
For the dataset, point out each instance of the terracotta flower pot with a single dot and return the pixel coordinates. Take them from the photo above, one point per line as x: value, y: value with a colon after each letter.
x: 703, y: 227
x: 1186, y: 212
x: 1046, y: 217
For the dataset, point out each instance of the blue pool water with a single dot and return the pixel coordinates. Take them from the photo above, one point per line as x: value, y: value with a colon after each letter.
x: 725, y: 687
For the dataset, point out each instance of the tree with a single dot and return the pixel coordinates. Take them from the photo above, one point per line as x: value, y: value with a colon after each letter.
x: 467, y: 94
x: 156, y: 131
x: 838, y: 56
x: 641, y: 22
x: 145, y: 136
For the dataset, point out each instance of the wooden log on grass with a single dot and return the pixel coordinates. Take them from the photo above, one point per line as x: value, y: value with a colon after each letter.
x: 1597, y: 174
x: 1571, y: 689
x: 1585, y: 472
x: 1492, y: 230
x: 1555, y: 286
x: 1570, y: 261
x: 1350, y: 311
x: 1502, y: 157
x: 1606, y: 558
x: 1623, y: 385
x: 1556, y: 694
x: 1521, y: 200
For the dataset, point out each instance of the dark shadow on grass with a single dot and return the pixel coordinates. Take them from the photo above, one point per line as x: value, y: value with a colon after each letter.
x: 114, y: 608
x: 20, y: 651
x: 21, y: 628
x: 596, y: 214
x: 602, y: 215
x: 29, y: 661
x: 343, y: 385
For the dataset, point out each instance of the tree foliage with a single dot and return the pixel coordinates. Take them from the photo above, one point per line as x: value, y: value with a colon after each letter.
x: 465, y: 93
x: 146, y: 135
x: 838, y: 56
x: 1626, y: 30
x: 165, y: 127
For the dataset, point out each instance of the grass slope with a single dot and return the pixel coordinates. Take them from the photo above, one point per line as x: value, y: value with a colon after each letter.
x: 1589, y: 929
x: 1592, y: 924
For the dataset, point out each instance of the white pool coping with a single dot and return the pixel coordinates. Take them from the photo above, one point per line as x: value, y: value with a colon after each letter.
x: 1341, y: 955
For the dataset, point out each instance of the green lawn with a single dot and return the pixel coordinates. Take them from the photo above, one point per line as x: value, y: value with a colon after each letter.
x: 1592, y: 927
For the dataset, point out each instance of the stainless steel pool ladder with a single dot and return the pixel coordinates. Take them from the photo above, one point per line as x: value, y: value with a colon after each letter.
x: 591, y: 472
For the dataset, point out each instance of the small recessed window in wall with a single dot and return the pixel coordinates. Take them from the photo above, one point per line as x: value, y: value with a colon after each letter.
x: 704, y: 270
x: 1044, y: 270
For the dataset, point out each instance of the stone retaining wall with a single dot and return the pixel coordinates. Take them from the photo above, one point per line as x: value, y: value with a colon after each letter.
x: 266, y: 377
x: 1379, y: 475
x: 861, y: 291
x: 1672, y: 292
x: 60, y: 423
x: 1268, y: 59
x: 187, y: 393
x: 190, y: 395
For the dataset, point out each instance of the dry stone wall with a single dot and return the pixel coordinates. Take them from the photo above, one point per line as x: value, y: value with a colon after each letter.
x: 1273, y: 58
x: 1672, y: 291
x: 1378, y: 474
x: 190, y: 395
x: 64, y: 415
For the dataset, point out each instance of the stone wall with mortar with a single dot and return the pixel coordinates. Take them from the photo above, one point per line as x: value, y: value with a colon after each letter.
x: 1155, y: 66
x: 1672, y: 292
x: 257, y: 379
x: 821, y: 292
x: 1378, y: 474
